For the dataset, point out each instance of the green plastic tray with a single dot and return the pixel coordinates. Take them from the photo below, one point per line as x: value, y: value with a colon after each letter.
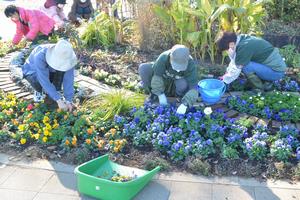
x: 101, y: 188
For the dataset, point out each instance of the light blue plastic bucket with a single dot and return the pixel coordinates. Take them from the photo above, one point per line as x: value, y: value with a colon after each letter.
x: 211, y: 90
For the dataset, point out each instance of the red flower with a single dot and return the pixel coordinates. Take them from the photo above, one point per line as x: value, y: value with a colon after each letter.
x: 30, y: 107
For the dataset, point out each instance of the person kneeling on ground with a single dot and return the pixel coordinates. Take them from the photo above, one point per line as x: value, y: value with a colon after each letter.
x: 173, y: 73
x: 81, y: 9
x: 47, y: 68
x: 55, y: 10
x: 33, y: 24
x: 255, y: 57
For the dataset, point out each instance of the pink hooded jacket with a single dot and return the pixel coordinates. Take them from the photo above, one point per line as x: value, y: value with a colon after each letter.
x: 57, y: 14
x: 37, y: 22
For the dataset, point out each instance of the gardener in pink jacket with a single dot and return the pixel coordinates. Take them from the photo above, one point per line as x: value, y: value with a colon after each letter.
x: 32, y: 24
x: 55, y: 10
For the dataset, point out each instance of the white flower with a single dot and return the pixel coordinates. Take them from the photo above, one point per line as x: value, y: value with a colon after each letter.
x: 262, y: 98
x: 295, y: 106
x: 288, y: 94
x: 277, y: 92
x: 280, y: 102
x: 258, y: 94
x: 207, y: 110
x: 299, y: 99
x: 250, y: 98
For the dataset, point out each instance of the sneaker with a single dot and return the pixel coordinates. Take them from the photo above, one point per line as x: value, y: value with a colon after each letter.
x: 38, y: 96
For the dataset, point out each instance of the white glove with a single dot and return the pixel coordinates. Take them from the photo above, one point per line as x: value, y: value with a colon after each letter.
x: 62, y: 104
x: 69, y: 106
x: 162, y: 99
x: 181, y: 109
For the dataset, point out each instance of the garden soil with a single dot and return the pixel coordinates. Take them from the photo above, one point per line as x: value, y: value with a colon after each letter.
x: 143, y: 159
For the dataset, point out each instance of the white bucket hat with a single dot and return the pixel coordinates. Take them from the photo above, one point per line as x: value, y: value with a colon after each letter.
x: 61, y: 56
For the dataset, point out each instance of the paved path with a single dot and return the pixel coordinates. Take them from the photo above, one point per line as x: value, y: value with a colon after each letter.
x: 48, y: 180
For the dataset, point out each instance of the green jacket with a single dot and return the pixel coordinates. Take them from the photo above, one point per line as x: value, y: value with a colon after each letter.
x: 258, y: 50
x: 164, y: 76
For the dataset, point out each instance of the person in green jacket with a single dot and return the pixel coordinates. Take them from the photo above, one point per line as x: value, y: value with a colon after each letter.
x: 173, y: 73
x: 257, y: 58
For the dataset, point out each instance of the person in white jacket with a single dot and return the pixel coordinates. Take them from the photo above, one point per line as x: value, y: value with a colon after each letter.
x: 55, y: 10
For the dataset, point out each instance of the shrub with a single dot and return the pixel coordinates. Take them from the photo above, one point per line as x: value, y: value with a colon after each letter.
x: 199, y: 166
x: 287, y: 10
x: 291, y: 55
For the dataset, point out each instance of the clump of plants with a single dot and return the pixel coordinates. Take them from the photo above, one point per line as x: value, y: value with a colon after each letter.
x: 116, y: 102
x: 103, y: 31
x: 286, y: 84
x: 273, y: 105
x: 291, y: 56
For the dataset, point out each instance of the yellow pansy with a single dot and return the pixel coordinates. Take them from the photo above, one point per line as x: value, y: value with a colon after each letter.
x: 23, y: 141
x: 21, y: 127
x: 45, y: 139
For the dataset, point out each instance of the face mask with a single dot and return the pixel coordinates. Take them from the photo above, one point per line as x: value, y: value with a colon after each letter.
x: 60, y: 5
x: 82, y: 1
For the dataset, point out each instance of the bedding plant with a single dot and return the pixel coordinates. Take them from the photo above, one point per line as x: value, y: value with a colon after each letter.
x: 280, y: 106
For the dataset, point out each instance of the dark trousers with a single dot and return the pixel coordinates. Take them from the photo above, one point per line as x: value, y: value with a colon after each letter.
x: 56, y: 78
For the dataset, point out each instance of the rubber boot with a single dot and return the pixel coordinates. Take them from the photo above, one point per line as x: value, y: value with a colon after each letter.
x: 255, y: 83
x: 268, y: 86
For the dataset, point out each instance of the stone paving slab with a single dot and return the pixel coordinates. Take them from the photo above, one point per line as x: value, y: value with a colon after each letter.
x: 27, y: 179
x: 190, y: 191
x: 61, y: 183
x: 5, y: 172
x: 8, y: 194
x: 227, y: 192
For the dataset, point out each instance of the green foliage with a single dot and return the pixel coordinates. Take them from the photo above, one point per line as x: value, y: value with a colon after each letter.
x: 273, y: 105
x: 157, y: 161
x: 103, y: 31
x: 291, y: 55
x: 198, y: 25
x: 287, y: 10
x: 115, y: 102
x: 199, y: 166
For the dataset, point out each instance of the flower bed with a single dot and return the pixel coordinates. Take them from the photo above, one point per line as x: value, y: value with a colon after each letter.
x: 206, y: 135
x: 27, y: 124
x: 273, y: 105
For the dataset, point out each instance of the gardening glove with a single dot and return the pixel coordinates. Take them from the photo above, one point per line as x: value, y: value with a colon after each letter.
x: 62, y: 105
x: 70, y: 106
x: 162, y: 99
x: 181, y: 109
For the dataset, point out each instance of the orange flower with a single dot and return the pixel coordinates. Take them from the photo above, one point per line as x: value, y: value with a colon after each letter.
x: 113, y: 131
x: 67, y: 142
x: 102, y: 128
x: 74, y: 141
x: 29, y: 115
x: 88, y: 141
x: 75, y: 113
x: 65, y: 117
x: 100, y: 146
x: 89, y: 131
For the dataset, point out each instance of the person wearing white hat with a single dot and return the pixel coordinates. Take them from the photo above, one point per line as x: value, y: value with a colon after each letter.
x: 50, y: 66
x: 173, y: 73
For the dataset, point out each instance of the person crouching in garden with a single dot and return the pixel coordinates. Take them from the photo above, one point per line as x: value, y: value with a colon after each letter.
x: 47, y: 68
x: 32, y: 24
x: 81, y: 9
x: 255, y: 57
x: 55, y: 10
x: 173, y: 73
